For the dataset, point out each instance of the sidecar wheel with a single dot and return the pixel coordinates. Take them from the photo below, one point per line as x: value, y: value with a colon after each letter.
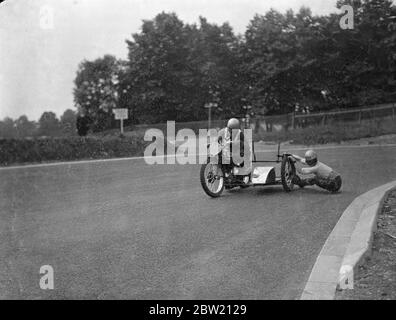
x: 288, y: 170
x: 212, y: 179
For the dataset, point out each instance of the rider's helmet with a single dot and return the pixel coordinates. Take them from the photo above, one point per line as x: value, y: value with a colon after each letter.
x: 233, y: 124
x: 311, y: 158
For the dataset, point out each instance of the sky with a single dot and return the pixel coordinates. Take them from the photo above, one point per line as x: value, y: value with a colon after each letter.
x: 42, y: 42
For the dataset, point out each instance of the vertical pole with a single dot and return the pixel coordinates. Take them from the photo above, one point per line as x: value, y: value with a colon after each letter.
x: 279, y: 143
x: 294, y: 119
x: 122, y: 126
x: 210, y: 117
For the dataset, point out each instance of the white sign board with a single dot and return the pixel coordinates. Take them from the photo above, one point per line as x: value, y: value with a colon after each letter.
x: 120, y: 114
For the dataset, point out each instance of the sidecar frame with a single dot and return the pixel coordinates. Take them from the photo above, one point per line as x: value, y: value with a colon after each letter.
x: 266, y: 175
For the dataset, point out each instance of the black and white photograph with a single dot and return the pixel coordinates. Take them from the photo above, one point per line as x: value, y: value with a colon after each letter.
x: 197, y: 155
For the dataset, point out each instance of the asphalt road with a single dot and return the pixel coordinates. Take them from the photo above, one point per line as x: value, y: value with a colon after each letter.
x: 126, y: 230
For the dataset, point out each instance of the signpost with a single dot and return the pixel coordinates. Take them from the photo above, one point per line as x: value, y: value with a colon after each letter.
x: 209, y: 106
x: 121, y: 114
x: 247, y: 109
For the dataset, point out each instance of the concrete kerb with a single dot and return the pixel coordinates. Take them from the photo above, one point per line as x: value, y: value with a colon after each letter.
x: 347, y: 246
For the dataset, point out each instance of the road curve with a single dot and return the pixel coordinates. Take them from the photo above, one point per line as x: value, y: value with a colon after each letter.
x: 126, y: 230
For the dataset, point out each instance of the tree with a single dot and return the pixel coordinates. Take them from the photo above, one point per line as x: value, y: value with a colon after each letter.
x: 282, y: 61
x: 49, y: 125
x: 7, y: 128
x: 159, y: 75
x: 68, y: 122
x: 275, y: 59
x: 214, y: 55
x: 373, y: 74
x: 360, y: 63
x: 82, y: 125
x: 24, y: 127
x: 175, y: 68
x: 96, y: 90
x: 299, y: 58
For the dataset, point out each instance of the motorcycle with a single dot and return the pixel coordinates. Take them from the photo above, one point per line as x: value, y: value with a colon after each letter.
x: 217, y: 175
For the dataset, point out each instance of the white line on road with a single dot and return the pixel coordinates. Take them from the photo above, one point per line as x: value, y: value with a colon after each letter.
x: 54, y: 164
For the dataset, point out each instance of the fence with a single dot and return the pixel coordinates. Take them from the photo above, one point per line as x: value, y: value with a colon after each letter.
x: 293, y: 121
x: 195, y: 126
x: 288, y: 121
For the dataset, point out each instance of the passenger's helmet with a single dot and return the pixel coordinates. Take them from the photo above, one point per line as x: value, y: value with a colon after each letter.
x: 311, y: 158
x: 233, y: 124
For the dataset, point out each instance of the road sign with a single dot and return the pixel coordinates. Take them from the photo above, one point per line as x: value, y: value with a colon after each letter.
x: 209, y: 106
x: 121, y: 114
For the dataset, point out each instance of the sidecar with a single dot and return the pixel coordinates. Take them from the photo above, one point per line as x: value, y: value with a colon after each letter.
x: 214, y: 179
x: 264, y: 176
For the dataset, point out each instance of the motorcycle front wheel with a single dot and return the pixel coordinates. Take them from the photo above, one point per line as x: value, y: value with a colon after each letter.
x: 212, y: 179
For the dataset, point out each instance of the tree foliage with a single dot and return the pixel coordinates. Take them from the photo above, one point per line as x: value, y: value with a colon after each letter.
x: 174, y: 69
x: 96, y: 90
x: 48, y: 125
x: 68, y: 122
x: 283, y: 60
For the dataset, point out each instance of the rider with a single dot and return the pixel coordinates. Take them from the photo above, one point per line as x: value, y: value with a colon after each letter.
x: 324, y: 176
x: 230, y: 137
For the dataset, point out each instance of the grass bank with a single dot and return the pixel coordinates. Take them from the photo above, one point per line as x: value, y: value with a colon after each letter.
x: 333, y: 133
x: 375, y: 279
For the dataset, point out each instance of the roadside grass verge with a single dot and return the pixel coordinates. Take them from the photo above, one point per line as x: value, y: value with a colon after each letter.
x: 375, y: 279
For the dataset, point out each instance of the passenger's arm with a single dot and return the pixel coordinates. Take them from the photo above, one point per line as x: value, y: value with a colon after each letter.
x: 298, y: 158
x: 309, y: 170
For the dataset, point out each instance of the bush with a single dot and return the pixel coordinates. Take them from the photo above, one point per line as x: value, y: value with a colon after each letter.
x: 14, y: 151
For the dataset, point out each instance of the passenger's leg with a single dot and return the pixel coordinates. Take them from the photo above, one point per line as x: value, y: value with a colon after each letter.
x: 336, y: 185
x: 331, y: 184
x: 303, y: 182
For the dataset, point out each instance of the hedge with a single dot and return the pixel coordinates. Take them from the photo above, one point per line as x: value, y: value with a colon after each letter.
x: 16, y: 151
